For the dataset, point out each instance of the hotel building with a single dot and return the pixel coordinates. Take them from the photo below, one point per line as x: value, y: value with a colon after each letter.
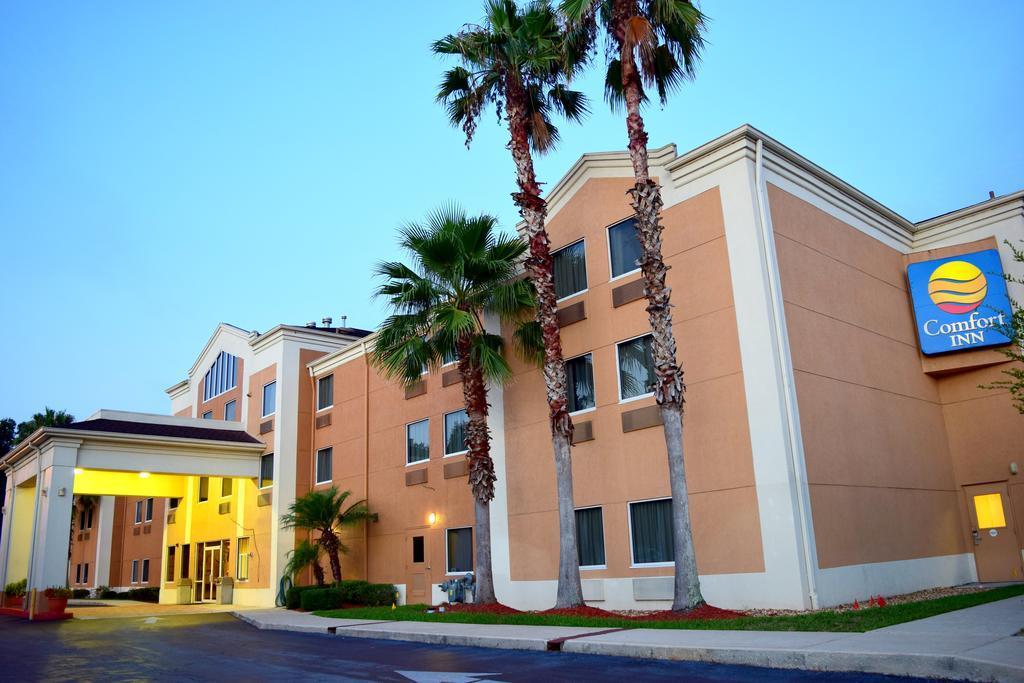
x: 828, y: 456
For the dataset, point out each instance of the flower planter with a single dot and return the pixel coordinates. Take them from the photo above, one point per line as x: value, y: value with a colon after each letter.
x: 56, y: 605
x: 14, y: 601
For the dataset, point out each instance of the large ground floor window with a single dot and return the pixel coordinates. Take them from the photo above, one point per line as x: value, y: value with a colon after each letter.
x: 650, y: 525
x: 460, y: 550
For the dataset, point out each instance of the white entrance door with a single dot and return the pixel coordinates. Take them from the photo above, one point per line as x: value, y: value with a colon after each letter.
x: 209, y: 573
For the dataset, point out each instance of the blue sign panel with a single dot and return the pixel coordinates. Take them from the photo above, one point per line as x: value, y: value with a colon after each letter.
x: 960, y: 302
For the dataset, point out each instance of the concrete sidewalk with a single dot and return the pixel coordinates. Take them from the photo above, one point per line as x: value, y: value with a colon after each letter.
x: 978, y: 643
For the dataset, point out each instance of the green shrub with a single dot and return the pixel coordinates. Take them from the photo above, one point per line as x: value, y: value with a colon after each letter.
x: 149, y: 594
x: 120, y: 595
x: 321, y: 598
x: 378, y: 594
x: 293, y: 598
x: 57, y: 592
x: 80, y: 593
x: 16, y: 589
x: 106, y: 594
x: 352, y: 591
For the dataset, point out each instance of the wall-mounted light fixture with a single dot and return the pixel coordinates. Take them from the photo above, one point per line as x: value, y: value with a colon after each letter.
x: 432, y: 518
x: 79, y: 470
x: 143, y: 475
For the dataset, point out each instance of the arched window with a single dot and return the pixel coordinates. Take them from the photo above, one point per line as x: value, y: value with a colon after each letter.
x: 222, y: 376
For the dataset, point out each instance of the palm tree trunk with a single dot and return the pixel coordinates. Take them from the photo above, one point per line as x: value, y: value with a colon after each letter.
x: 540, y: 268
x: 646, y: 200
x: 481, y: 469
x: 329, y: 542
x: 318, y: 574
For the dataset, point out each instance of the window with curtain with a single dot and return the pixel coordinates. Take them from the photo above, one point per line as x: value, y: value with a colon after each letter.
x: 624, y: 247
x: 455, y: 432
x: 204, y: 489
x: 590, y: 537
x: 580, y: 373
x: 242, y: 564
x: 85, y: 573
x: 172, y: 551
x: 145, y: 571
x: 225, y: 487
x: 78, y: 573
x: 269, y: 398
x: 222, y: 376
x: 138, y: 512
x: 570, y: 265
x: 460, y: 550
x: 149, y: 509
x: 324, y: 461
x: 651, y: 526
x: 325, y: 392
x: 135, y: 571
x: 208, y: 415
x: 230, y: 411
x: 636, y: 367
x: 266, y: 470
x: 417, y: 441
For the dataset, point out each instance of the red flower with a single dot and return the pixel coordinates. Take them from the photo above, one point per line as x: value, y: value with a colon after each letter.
x: 856, y: 605
x: 881, y: 601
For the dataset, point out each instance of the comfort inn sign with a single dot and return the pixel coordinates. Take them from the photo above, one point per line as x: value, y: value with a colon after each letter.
x: 960, y: 302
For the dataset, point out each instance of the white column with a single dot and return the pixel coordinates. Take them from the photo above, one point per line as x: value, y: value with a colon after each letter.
x: 104, y: 539
x: 5, y: 532
x: 49, y: 561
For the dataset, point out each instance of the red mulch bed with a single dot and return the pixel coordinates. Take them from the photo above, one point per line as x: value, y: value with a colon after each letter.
x: 493, y: 608
x: 702, y: 612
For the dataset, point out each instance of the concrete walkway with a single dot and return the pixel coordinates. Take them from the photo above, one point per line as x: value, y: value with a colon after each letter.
x: 978, y: 643
x: 121, y: 609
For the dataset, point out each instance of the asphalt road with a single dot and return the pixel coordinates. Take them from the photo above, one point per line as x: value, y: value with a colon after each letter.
x: 218, y: 647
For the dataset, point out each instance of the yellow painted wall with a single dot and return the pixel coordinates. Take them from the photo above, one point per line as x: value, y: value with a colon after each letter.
x: 21, y: 533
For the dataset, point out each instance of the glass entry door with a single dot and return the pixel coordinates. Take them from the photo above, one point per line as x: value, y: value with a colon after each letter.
x: 210, y: 572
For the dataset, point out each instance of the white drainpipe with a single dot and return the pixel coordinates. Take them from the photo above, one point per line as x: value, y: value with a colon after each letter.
x: 797, y: 463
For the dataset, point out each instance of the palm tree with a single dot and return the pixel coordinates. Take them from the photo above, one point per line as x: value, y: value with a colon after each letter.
x: 653, y: 43
x: 325, y: 512
x: 461, y: 273
x: 306, y: 554
x: 48, y: 418
x: 520, y: 61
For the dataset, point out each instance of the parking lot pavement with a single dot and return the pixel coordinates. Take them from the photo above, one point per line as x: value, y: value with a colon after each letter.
x: 219, y: 647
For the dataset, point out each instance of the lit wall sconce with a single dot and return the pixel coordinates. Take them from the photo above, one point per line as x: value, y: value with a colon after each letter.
x: 432, y: 518
x: 1013, y: 468
x: 79, y: 470
x: 143, y: 475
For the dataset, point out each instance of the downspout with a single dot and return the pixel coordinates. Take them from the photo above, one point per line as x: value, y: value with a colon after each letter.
x: 366, y: 462
x: 29, y: 588
x: 312, y: 452
x: 797, y: 464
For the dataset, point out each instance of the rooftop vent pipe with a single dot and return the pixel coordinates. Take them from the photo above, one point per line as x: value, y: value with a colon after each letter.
x: 344, y: 321
x: 311, y: 323
x: 327, y: 321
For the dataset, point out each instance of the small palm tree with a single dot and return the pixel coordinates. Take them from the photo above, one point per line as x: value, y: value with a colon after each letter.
x: 325, y: 512
x: 306, y: 555
x: 48, y: 418
x: 461, y: 272
x: 520, y: 60
x: 653, y: 44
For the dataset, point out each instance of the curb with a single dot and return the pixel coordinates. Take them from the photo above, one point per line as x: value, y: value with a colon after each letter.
x: 956, y: 667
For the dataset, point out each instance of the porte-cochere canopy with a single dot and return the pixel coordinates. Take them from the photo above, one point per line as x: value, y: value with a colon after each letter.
x: 111, y: 453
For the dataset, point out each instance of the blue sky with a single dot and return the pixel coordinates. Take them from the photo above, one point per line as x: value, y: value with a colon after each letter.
x: 165, y: 166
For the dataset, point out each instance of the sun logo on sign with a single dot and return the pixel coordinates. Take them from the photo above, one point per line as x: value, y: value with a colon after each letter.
x: 957, y: 287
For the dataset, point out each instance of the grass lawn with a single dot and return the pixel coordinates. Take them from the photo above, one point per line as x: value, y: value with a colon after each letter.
x: 864, y: 619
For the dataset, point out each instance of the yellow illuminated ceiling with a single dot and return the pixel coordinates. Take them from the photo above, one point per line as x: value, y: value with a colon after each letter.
x: 106, y: 483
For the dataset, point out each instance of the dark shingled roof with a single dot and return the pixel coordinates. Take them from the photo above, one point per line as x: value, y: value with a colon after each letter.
x: 165, y: 430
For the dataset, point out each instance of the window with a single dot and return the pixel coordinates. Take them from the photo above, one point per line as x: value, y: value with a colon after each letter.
x: 145, y: 571
x: 149, y: 509
x: 624, y: 248
x: 78, y: 573
x: 88, y: 519
x: 204, y: 489
x: 418, y: 553
x: 242, y: 565
x: 81, y: 520
x: 185, y: 552
x: 85, y: 573
x: 138, y: 512
x: 135, y: 571
x: 650, y: 527
x: 325, y: 392
x: 590, y: 537
x: 172, y: 551
x: 449, y: 357
x: 989, y: 510
x: 570, y: 265
x: 324, y: 458
x: 580, y: 374
x: 455, y: 432
x: 225, y: 487
x: 269, y: 398
x: 460, y: 550
x: 208, y: 415
x: 172, y: 503
x: 231, y: 411
x: 417, y: 437
x: 636, y: 367
x: 266, y: 470
x: 222, y: 376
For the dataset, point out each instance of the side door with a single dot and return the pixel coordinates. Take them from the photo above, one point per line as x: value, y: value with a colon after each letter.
x: 996, y: 548
x: 417, y: 566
